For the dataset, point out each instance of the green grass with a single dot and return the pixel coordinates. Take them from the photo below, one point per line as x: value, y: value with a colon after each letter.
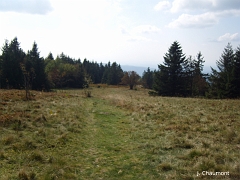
x: 116, y: 134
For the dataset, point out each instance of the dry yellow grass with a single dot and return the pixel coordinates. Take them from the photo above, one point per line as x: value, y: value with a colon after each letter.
x: 116, y: 134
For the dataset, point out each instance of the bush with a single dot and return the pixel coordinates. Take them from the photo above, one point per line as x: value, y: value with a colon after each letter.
x: 87, y: 93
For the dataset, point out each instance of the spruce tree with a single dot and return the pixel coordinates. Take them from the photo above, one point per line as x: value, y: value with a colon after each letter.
x: 35, y: 65
x: 147, y: 78
x: 79, y: 76
x: 195, y: 83
x: 112, y: 74
x: 50, y: 56
x: 199, y: 78
x: 168, y: 79
x: 222, y: 81
x: 12, y: 57
x: 101, y: 72
x: 105, y: 73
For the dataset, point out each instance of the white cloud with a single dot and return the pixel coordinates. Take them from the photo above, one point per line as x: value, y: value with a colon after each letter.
x: 194, y: 21
x: 202, y: 20
x: 162, y: 5
x: 207, y: 13
x: 229, y: 37
x: 146, y: 29
x: 26, y: 6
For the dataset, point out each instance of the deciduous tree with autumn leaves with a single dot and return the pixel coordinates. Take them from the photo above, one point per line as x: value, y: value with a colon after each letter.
x: 130, y: 78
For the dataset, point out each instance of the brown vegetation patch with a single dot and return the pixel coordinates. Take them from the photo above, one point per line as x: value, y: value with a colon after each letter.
x: 15, y: 109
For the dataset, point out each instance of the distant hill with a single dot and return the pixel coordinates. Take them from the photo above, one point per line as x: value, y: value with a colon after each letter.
x: 140, y: 69
x: 137, y: 69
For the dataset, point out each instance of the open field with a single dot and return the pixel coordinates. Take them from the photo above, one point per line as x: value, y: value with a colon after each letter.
x: 117, y: 134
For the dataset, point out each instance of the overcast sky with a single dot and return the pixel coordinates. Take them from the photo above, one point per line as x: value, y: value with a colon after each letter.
x: 130, y: 32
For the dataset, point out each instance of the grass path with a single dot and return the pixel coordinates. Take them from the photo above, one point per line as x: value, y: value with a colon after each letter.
x: 109, y: 148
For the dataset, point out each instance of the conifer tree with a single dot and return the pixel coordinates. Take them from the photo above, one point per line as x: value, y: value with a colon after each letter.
x: 199, y: 78
x: 115, y: 74
x: 12, y: 57
x: 221, y: 81
x: 112, y: 74
x: 101, y: 72
x: 147, y: 78
x: 168, y: 79
x: 195, y: 83
x: 50, y: 56
x: 79, y: 76
x: 106, y: 72
x: 35, y: 65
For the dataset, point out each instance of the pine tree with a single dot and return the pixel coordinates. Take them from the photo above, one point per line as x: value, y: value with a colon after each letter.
x: 112, y: 74
x: 187, y: 76
x: 214, y: 84
x: 195, y: 83
x: 50, y: 56
x: 35, y: 65
x: 115, y: 74
x: 101, y: 72
x: 79, y: 76
x: 12, y: 57
x: 5, y: 58
x: 105, y: 73
x: 92, y: 70
x: 66, y: 59
x: 147, y: 78
x: 199, y: 80
x: 222, y: 81
x: 168, y: 79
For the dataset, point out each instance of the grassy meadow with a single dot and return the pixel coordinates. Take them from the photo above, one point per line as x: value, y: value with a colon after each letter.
x: 116, y: 133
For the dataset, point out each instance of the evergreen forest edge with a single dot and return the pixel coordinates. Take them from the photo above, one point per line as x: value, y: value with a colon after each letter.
x: 178, y: 75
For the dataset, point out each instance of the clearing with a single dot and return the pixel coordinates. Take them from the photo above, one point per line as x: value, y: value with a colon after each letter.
x: 117, y: 134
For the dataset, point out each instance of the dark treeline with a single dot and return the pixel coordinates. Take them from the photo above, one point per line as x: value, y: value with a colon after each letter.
x: 178, y: 75
x: 19, y: 69
x: 183, y: 76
